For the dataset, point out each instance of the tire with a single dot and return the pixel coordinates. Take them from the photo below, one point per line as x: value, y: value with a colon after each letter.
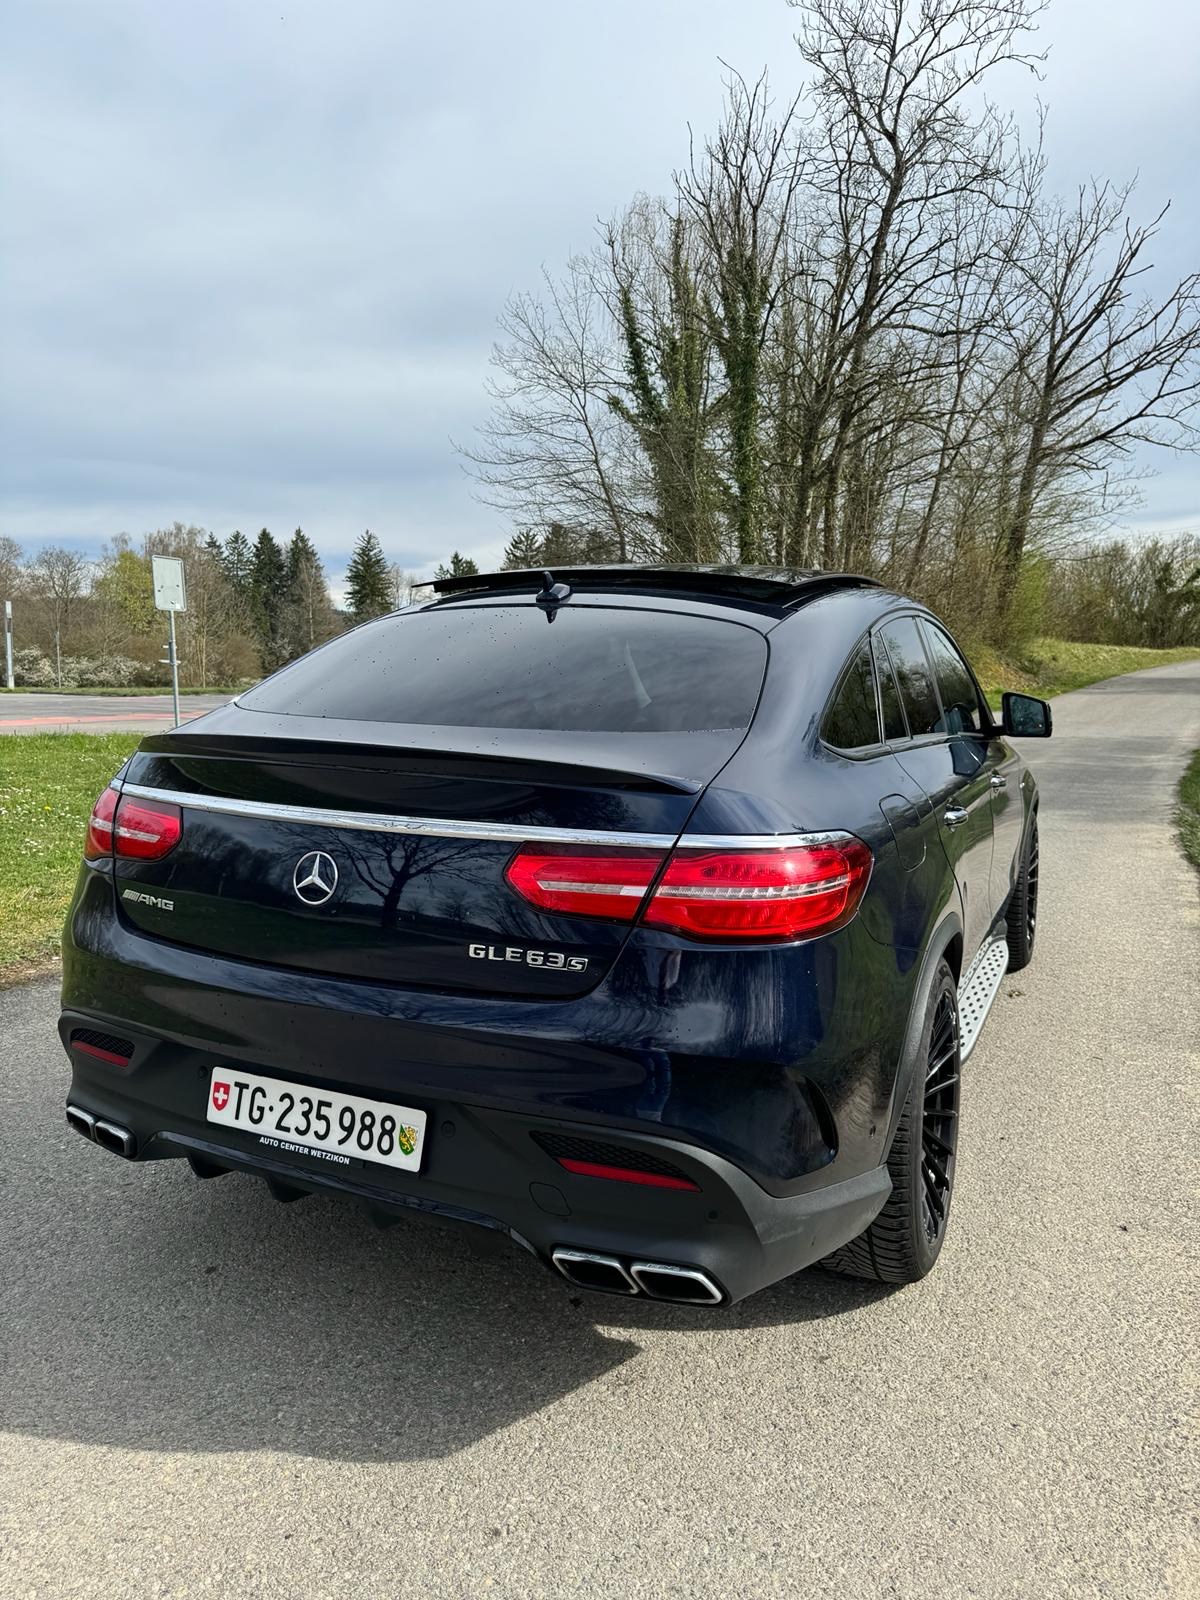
x: 906, y: 1238
x: 1023, y: 904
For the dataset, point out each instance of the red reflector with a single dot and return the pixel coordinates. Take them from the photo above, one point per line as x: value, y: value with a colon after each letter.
x: 98, y: 843
x: 100, y: 1055
x: 145, y: 830
x: 585, y: 883
x: 651, y: 1180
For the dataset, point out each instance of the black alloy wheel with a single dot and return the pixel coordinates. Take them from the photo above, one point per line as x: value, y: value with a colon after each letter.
x: 1031, y: 885
x: 939, y: 1118
x: 1022, y: 915
x: 905, y: 1239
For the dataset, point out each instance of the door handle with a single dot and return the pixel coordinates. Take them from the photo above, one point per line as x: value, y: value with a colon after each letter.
x: 997, y: 781
x: 954, y: 816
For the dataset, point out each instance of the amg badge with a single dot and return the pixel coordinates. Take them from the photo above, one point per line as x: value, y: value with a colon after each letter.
x: 148, y: 899
x: 555, y: 960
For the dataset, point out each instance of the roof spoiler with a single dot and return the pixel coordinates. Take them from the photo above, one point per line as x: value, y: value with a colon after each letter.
x: 781, y: 586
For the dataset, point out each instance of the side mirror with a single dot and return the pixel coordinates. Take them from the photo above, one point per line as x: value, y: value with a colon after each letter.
x: 1026, y: 717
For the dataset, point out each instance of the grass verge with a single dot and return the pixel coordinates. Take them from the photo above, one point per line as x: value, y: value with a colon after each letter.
x: 1188, y: 815
x: 48, y: 782
x: 1047, y: 667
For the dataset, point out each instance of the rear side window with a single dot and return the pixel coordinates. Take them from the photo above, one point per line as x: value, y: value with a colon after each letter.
x: 914, y: 676
x: 590, y: 670
x: 852, y: 721
x: 894, y: 725
x: 961, y: 711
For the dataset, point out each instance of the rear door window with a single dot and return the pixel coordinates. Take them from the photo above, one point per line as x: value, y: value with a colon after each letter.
x: 581, y: 669
x: 894, y: 725
x: 852, y: 721
x: 961, y: 709
x: 914, y: 676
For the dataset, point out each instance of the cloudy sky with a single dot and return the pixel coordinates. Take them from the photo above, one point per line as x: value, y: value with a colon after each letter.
x: 253, y: 253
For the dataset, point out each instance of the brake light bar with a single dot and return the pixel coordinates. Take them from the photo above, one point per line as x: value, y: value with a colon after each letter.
x: 132, y: 829
x: 767, y: 894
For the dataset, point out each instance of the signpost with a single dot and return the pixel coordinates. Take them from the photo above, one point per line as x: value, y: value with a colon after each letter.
x: 8, y: 660
x: 170, y: 595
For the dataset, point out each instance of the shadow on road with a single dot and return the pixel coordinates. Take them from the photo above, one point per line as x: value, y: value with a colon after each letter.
x: 146, y: 1311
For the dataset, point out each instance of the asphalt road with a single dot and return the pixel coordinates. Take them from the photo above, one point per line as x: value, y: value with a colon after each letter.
x: 99, y: 713
x: 207, y: 1393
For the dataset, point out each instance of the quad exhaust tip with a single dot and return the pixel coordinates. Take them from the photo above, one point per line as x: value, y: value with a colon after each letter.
x: 82, y: 1121
x: 655, y: 1279
x: 109, y: 1135
x: 686, y: 1284
x: 587, y: 1270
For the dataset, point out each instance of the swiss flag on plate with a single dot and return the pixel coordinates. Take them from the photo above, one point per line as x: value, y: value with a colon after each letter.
x: 220, y: 1096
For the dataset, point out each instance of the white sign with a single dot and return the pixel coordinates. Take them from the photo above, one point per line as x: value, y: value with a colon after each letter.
x: 170, y: 592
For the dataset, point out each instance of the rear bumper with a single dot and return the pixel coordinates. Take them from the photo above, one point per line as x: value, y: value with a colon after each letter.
x: 766, y: 1077
x: 484, y: 1168
x: 782, y: 1060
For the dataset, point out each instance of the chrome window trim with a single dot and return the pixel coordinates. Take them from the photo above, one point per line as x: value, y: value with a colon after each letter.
x: 448, y: 828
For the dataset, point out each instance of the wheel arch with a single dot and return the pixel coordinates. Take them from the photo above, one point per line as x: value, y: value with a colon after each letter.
x: 944, y: 944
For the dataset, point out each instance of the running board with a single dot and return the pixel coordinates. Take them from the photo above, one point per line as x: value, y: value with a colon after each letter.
x: 978, y: 990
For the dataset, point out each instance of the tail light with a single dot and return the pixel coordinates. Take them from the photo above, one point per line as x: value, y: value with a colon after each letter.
x: 99, y: 841
x: 135, y: 830
x: 729, y: 896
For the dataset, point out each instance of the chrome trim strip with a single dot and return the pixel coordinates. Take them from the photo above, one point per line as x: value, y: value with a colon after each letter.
x: 448, y: 828
x: 758, y: 841
x: 377, y: 822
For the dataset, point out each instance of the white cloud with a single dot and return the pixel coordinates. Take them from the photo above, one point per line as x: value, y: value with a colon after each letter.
x: 253, y: 260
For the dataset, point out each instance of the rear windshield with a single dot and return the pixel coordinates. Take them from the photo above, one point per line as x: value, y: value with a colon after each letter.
x: 589, y: 670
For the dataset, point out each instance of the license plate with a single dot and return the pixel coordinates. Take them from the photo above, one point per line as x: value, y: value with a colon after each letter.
x: 339, y: 1128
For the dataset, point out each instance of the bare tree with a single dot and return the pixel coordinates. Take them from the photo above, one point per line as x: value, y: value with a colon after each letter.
x: 1100, y: 366
x: 11, y: 568
x: 402, y: 584
x: 58, y: 578
x: 550, y: 450
x: 740, y: 193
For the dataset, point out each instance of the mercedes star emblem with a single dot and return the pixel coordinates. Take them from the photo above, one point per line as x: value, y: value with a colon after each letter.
x: 315, y: 877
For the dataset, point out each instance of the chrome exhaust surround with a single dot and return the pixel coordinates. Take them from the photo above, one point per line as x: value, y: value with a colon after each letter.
x: 113, y: 1137
x: 586, y: 1270
x: 82, y: 1121
x: 687, y: 1285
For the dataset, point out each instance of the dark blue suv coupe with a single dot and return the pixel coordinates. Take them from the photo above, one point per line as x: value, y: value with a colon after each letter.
x: 645, y: 915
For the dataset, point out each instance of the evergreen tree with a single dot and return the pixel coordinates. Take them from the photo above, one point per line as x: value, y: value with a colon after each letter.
x: 310, y: 615
x: 237, y: 559
x: 368, y: 580
x: 564, y: 546
x: 267, y: 595
x: 460, y: 567
x: 215, y: 550
x: 523, y: 550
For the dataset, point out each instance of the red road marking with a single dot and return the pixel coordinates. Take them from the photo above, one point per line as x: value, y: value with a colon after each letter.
x: 109, y: 716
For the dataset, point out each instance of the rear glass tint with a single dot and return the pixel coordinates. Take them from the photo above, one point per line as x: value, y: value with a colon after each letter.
x: 588, y: 670
x: 894, y: 725
x: 914, y: 676
x: 852, y: 722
